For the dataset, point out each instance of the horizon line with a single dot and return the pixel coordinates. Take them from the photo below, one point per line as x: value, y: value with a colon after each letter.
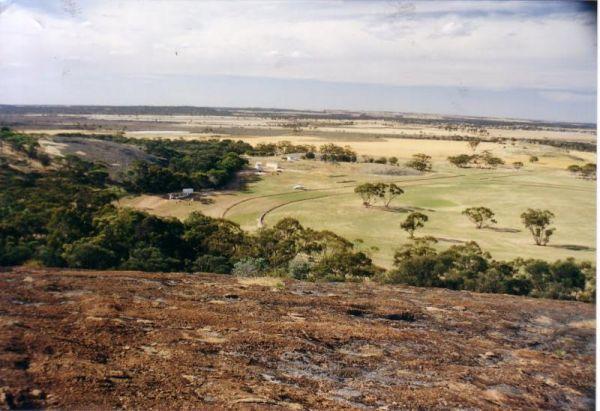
x: 324, y: 110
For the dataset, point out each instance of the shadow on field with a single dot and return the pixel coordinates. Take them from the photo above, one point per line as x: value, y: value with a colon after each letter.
x: 402, y: 209
x: 205, y: 200
x: 450, y: 240
x: 573, y: 247
x: 503, y: 229
x: 242, y: 179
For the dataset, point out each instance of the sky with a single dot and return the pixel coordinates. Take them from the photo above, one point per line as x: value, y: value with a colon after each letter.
x: 531, y: 60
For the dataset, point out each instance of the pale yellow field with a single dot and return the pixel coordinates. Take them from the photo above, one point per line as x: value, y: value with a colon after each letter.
x: 383, y: 128
x: 403, y: 148
x: 439, y: 150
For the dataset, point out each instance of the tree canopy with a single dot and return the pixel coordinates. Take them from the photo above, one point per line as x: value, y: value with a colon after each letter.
x: 413, y: 222
x: 479, y: 215
x: 420, y: 162
x: 538, y: 221
x: 335, y: 153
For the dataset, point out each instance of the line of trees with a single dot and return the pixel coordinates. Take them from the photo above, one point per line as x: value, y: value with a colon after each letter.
x: 335, y: 153
x: 537, y: 221
x: 392, y: 160
x: 587, y: 171
x: 281, y: 148
x: 483, y: 160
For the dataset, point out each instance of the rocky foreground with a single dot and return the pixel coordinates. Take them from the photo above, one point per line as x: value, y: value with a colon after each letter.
x: 101, y: 339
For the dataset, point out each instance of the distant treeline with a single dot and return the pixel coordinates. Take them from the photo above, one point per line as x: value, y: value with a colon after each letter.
x: 117, y: 110
x: 287, y: 114
x: 567, y: 145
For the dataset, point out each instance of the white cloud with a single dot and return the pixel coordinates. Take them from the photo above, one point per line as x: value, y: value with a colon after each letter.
x: 493, y: 45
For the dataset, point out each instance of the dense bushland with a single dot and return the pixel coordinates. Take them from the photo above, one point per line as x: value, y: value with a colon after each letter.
x: 178, y: 164
x: 468, y: 267
x: 197, y: 164
x: 65, y: 218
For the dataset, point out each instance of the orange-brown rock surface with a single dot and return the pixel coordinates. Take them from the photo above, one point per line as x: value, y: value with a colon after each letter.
x: 104, y: 339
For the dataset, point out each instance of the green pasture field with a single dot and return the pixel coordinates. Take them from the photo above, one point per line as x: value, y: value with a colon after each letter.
x: 330, y: 203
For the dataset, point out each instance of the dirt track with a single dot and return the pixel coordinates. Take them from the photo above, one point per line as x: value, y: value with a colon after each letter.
x: 148, y: 340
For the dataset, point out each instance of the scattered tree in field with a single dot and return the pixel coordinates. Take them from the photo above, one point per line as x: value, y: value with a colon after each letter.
x: 518, y: 165
x: 533, y: 159
x: 373, y: 191
x: 391, y: 192
x: 420, y: 162
x: 491, y: 161
x: 461, y: 160
x: 480, y: 216
x: 413, y: 222
x: 368, y: 192
x: 393, y: 161
x: 473, y: 144
x: 380, y: 190
x: 589, y: 171
x: 537, y: 221
x: 334, y: 153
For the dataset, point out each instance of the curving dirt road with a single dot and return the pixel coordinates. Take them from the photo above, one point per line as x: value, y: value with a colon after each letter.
x: 484, y: 176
